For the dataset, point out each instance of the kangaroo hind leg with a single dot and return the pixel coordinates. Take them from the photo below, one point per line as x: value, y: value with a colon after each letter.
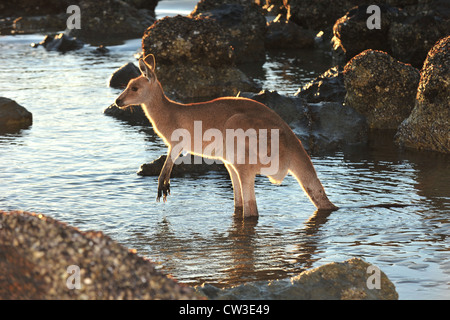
x: 303, y: 170
x: 238, y: 202
x: 247, y: 181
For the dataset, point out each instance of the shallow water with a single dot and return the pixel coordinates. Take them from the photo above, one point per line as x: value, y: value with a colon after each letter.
x: 78, y: 165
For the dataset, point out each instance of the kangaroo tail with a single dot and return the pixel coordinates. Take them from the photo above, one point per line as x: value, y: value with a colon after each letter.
x: 303, y: 170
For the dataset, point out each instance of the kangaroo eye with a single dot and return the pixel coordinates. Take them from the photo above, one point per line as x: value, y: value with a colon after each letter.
x: 134, y: 89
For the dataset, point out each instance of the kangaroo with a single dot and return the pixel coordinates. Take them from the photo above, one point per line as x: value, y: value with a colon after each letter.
x: 224, y: 114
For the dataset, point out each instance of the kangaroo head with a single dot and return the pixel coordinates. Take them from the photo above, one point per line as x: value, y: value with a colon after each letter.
x: 139, y: 90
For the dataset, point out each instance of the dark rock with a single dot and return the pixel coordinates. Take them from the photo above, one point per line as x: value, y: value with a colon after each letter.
x: 13, y: 117
x: 194, y: 59
x: 189, y: 83
x: 322, y: 127
x: 351, y: 35
x: 287, y: 34
x: 36, y: 252
x: 100, y: 50
x: 241, y: 22
x: 36, y: 8
x: 133, y: 114
x: 110, y: 22
x: 121, y: 77
x: 407, y: 35
x: 37, y: 24
x: 290, y: 109
x: 334, y: 126
x: 187, y: 164
x: 319, y: 14
x: 428, y: 126
x: 381, y: 88
x: 327, y: 87
x: 61, y: 43
x: 411, y: 40
x: 346, y: 280
x: 143, y: 4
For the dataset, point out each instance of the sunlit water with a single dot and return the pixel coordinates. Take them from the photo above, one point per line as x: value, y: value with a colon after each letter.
x: 78, y: 165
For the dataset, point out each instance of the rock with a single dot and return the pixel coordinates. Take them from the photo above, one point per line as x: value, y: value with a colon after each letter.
x: 143, y: 4
x: 411, y: 40
x: 187, y: 164
x: 40, y: 258
x: 348, y: 280
x: 428, y: 127
x: 38, y: 24
x: 351, y: 35
x: 197, y: 41
x: 329, y: 86
x: 120, y: 78
x: 290, y: 109
x: 380, y: 88
x: 100, y: 50
x: 407, y: 35
x: 319, y: 14
x: 323, y: 126
x: 241, y: 22
x: 287, y: 34
x: 42, y: 7
x: 13, y: 117
x: 334, y: 126
x: 194, y: 59
x: 111, y: 22
x: 133, y: 114
x: 60, y: 42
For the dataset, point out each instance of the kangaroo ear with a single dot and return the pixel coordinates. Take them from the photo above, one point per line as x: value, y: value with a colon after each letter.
x: 145, y: 69
x: 150, y: 61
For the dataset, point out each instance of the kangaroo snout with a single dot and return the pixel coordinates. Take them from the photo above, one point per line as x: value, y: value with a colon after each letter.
x: 118, y: 103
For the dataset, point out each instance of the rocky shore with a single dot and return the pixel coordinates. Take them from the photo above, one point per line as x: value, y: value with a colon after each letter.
x: 394, y: 79
x: 42, y: 258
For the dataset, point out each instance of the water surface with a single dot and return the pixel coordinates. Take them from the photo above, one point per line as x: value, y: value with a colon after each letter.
x: 78, y: 165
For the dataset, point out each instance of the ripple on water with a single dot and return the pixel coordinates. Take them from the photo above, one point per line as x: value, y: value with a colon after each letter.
x: 79, y: 166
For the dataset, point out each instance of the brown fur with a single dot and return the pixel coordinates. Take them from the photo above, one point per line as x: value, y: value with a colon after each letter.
x: 222, y: 114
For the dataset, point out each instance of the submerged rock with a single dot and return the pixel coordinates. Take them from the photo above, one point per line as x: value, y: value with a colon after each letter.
x: 133, y: 114
x: 187, y: 164
x: 60, y: 42
x: 428, y: 126
x: 380, y: 88
x: 348, y: 280
x: 13, y: 116
x: 40, y: 258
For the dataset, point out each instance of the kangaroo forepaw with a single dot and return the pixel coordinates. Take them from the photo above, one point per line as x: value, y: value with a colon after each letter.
x: 163, y: 191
